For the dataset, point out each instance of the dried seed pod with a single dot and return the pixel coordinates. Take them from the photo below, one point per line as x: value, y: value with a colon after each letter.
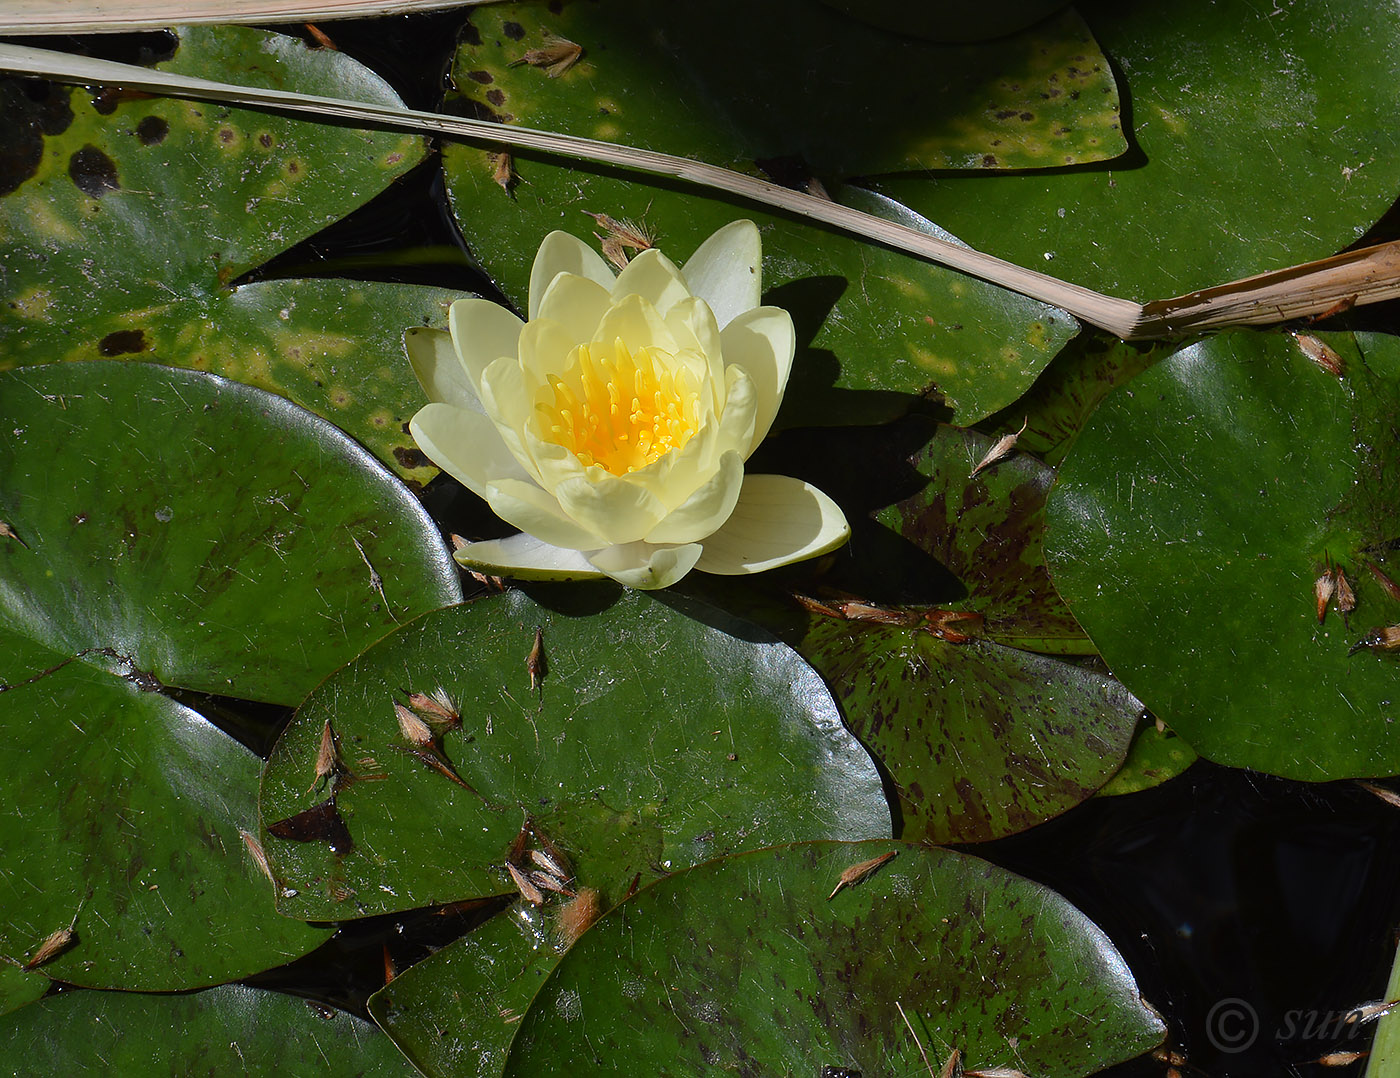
x: 857, y: 873
x: 815, y: 606
x: 437, y: 706
x: 547, y: 882
x: 1001, y: 450
x: 523, y: 884
x: 54, y: 945
x: 953, y: 1067
x: 549, y: 864
x: 7, y: 532
x: 1319, y: 353
x: 1370, y: 1012
x: 504, y: 176
x: 414, y: 730
x: 327, y: 757
x: 554, y: 57
x: 1390, y: 797
x: 1384, y: 638
x: 858, y: 610
x: 1340, y: 1059
x: 536, y: 664
x: 575, y: 916
x: 1346, y: 598
x: 259, y: 855
x: 1323, y: 589
x: 1391, y: 588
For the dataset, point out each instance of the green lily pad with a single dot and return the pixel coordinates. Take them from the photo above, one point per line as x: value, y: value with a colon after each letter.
x: 201, y: 532
x: 1263, y: 138
x: 731, y: 89
x: 987, y: 530
x: 230, y: 1030
x: 125, y: 819
x: 875, y: 328
x: 335, y: 347
x: 746, y: 963
x: 19, y: 987
x: 1189, y: 526
x: 652, y: 742
x: 1156, y: 756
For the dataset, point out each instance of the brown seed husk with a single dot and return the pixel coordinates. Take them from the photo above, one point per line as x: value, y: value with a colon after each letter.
x: 575, y: 916
x: 857, y: 873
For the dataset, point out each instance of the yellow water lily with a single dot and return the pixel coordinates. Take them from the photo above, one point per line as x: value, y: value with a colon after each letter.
x: 612, y: 427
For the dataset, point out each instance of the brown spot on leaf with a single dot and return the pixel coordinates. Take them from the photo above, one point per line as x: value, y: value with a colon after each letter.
x: 410, y: 458
x: 227, y: 135
x: 123, y: 342
x: 93, y: 172
x: 265, y: 140
x: 513, y: 30
x: 152, y: 130
x: 496, y: 97
x: 485, y: 78
x: 989, y: 160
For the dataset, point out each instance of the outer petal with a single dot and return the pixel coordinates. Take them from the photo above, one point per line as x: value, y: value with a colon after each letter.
x: 641, y: 565
x: 705, y: 510
x: 535, y: 510
x: 563, y: 253
x: 726, y: 271
x: 483, y: 332
x: 526, y: 558
x: 655, y: 278
x: 778, y: 520
x: 439, y: 369
x: 608, y: 506
x: 576, y: 303
x: 466, y: 445
x: 762, y: 342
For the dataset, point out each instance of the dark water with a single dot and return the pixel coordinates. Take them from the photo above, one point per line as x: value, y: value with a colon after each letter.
x: 1253, y: 911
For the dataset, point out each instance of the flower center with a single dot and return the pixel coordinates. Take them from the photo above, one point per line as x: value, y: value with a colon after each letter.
x: 618, y: 409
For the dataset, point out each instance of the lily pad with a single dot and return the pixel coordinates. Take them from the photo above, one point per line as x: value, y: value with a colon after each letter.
x: 335, y: 347
x: 230, y: 1030
x: 1156, y: 756
x: 748, y: 963
x: 987, y: 530
x: 202, y: 533
x: 1240, y: 468
x: 875, y: 328
x: 650, y: 741
x: 732, y: 89
x: 1262, y: 138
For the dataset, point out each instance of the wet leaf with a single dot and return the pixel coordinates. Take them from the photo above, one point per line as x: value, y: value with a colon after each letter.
x: 229, y: 1030
x: 1266, y: 129
x: 201, y: 531
x: 875, y: 328
x: 1187, y: 530
x: 654, y: 742
x: 1156, y: 756
x: 672, y: 981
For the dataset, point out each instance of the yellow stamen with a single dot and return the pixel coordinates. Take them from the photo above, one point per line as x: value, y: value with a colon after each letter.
x: 622, y: 410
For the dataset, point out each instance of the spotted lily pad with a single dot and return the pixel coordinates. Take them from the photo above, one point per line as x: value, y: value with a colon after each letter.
x: 1190, y: 526
x: 875, y: 328
x: 1156, y: 756
x: 649, y: 741
x: 1262, y: 137
x: 932, y: 951
x: 730, y: 88
x: 230, y: 1030
x: 124, y: 218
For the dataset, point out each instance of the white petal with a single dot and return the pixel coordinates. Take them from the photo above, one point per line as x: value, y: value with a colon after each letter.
x: 762, y: 342
x: 726, y: 271
x: 563, y: 253
x: 778, y: 520
x: 639, y: 325
x: 705, y: 510
x: 438, y: 368
x: 655, y: 278
x: 609, y: 506
x: 641, y: 565
x: 736, y: 425
x: 466, y: 445
x: 576, y: 303
x: 534, y: 510
x: 526, y: 558
x: 483, y: 332
x: 693, y: 318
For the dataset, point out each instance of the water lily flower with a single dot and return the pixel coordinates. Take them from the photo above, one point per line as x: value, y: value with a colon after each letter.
x: 612, y: 427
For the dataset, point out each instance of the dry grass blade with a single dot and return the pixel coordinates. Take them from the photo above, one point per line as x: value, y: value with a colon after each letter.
x: 919, y: 1046
x: 114, y: 16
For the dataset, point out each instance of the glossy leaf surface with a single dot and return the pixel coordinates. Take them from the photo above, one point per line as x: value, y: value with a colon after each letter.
x: 1191, y: 523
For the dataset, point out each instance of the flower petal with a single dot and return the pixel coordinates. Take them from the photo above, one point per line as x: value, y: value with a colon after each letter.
x: 638, y: 324
x: 438, y: 368
x: 704, y: 511
x: 535, y: 510
x: 526, y: 558
x: 563, y: 253
x: 576, y: 303
x: 609, y: 506
x: 466, y: 445
x: 726, y: 271
x: 762, y: 341
x: 483, y: 332
x: 641, y: 565
x: 778, y: 520
x: 655, y: 278
x: 692, y: 318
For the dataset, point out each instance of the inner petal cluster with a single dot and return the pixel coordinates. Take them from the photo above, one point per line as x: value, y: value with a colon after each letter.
x: 619, y: 409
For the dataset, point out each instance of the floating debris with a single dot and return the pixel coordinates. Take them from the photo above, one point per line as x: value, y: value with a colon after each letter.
x: 554, y: 57
x: 536, y: 664
x: 1318, y: 352
x: 1001, y: 450
x: 857, y: 873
